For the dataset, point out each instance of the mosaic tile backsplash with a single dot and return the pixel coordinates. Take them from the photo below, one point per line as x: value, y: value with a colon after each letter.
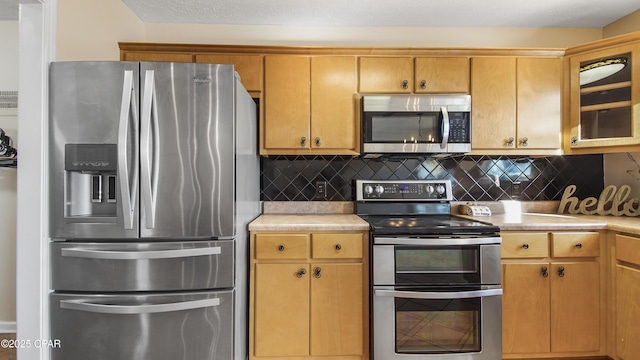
x: 473, y: 178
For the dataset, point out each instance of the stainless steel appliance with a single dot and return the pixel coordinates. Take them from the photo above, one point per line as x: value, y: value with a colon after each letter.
x: 153, y: 179
x: 436, y: 277
x: 420, y: 124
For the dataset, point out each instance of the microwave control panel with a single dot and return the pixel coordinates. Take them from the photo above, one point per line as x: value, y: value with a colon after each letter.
x: 459, y: 131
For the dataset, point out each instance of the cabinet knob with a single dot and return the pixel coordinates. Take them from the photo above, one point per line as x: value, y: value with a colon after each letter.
x: 338, y: 247
x: 405, y: 84
x: 317, y: 272
x: 280, y: 247
x: 524, y: 141
x: 423, y: 84
x: 561, y: 271
x: 544, y: 271
x: 574, y: 141
x: 510, y: 142
x: 578, y: 246
x: 303, y: 141
x: 525, y: 246
x: 301, y: 272
x: 317, y: 141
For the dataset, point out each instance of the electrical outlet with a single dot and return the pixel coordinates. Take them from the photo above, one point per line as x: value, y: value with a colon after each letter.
x: 516, y: 189
x: 321, y: 189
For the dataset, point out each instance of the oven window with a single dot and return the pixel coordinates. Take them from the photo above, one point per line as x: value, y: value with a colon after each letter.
x: 404, y: 127
x: 437, y: 265
x: 426, y: 326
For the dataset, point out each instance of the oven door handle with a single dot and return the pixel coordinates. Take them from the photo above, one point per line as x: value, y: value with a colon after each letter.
x: 436, y: 241
x: 439, y: 295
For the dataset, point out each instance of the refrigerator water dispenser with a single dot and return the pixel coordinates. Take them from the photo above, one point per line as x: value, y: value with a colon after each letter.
x: 90, y: 182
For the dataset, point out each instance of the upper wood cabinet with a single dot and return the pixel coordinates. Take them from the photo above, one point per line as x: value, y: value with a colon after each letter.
x: 156, y: 56
x: 248, y: 67
x: 604, y: 110
x: 418, y: 75
x: 516, y: 105
x: 310, y: 105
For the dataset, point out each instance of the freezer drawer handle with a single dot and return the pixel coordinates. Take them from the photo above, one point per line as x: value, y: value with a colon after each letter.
x: 439, y: 295
x: 138, y: 255
x: 137, y: 309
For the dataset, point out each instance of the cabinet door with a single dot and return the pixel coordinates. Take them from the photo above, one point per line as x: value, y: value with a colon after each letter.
x: 575, y: 306
x: 493, y: 90
x: 333, y: 111
x: 336, y: 309
x: 442, y: 75
x: 249, y: 67
x: 386, y: 74
x: 281, y: 306
x: 525, y: 308
x: 627, y: 312
x: 287, y: 102
x: 539, y: 82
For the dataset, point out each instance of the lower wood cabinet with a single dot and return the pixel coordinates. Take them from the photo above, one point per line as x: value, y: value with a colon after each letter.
x: 309, y: 296
x: 627, y: 297
x: 552, y: 295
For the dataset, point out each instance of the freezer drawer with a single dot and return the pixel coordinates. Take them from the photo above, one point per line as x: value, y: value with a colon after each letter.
x: 158, y: 266
x: 194, y: 326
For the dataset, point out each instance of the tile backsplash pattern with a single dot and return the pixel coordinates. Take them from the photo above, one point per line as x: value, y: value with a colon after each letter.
x: 474, y: 178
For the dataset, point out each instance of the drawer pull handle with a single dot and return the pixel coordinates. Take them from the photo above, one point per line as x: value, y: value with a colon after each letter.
x: 338, y: 247
x: 525, y: 246
x: 561, y: 271
x: 544, y: 271
x: 301, y: 272
x: 317, y: 272
x: 280, y: 247
x: 578, y: 246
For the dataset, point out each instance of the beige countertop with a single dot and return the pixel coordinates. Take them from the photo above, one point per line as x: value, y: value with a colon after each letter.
x: 313, y: 216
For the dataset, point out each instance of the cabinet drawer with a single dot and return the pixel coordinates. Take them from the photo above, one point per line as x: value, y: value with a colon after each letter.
x: 282, y: 246
x: 578, y: 244
x: 628, y: 249
x: 525, y: 245
x: 336, y: 246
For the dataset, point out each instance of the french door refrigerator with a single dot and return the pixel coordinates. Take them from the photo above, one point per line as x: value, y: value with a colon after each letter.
x: 153, y: 179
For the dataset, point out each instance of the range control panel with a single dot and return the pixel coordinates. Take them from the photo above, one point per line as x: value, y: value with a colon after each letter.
x: 405, y: 190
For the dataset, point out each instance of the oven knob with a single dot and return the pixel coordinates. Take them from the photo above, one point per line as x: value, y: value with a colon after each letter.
x: 368, y: 190
x: 379, y: 189
x: 429, y: 189
x: 440, y: 189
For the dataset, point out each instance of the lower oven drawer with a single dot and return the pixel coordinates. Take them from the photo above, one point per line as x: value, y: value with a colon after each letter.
x: 451, y: 323
x: 157, y: 266
x: 143, y: 327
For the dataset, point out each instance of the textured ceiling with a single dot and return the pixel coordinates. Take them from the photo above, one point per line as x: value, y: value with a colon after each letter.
x: 441, y: 13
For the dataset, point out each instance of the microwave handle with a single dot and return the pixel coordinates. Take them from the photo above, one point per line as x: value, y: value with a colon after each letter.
x: 445, y: 127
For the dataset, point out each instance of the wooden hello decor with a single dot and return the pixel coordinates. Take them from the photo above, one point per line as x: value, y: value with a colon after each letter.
x: 612, y: 201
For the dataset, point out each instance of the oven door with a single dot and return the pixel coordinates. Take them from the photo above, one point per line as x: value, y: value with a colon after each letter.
x: 436, y: 261
x: 443, y: 323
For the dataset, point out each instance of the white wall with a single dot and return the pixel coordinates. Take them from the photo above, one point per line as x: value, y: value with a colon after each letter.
x: 627, y: 24
x: 8, y: 81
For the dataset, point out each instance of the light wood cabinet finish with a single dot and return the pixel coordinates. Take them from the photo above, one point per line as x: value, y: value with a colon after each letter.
x: 156, y: 56
x: 442, y: 75
x: 386, y: 75
x: 310, y: 105
x: 313, y: 304
x: 626, y: 294
x: 516, y: 103
x: 249, y: 67
x: 552, y: 294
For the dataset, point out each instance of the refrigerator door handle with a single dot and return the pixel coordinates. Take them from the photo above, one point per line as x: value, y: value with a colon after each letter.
x: 137, y: 309
x: 149, y: 149
x: 127, y: 109
x: 139, y: 255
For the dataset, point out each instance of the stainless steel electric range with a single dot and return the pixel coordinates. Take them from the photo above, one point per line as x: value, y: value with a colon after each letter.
x: 436, y: 277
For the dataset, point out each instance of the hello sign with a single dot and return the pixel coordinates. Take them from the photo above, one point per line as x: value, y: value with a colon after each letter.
x: 612, y: 201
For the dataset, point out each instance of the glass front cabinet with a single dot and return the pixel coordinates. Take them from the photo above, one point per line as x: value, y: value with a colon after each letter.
x: 604, y: 97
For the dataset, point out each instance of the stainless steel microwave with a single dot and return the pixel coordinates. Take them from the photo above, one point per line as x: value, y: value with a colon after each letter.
x: 418, y: 124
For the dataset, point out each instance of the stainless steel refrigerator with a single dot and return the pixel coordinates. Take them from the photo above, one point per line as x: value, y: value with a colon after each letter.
x: 153, y: 178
